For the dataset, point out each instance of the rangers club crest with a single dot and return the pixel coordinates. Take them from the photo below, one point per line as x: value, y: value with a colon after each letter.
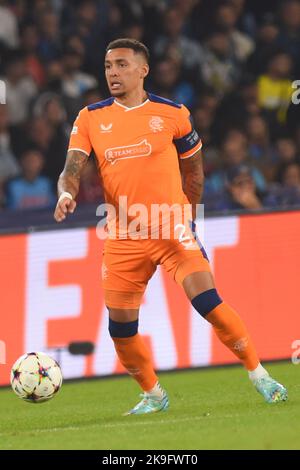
x: 156, y: 124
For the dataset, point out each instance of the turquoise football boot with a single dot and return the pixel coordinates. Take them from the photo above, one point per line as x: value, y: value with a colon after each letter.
x: 272, y: 391
x: 150, y: 404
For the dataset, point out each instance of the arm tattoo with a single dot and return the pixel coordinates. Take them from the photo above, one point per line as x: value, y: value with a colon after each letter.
x: 192, y: 179
x: 74, y: 163
x: 69, y: 179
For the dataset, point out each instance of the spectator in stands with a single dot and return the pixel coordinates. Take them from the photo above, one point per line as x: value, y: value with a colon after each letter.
x: 266, y: 44
x: 9, y: 166
x: 246, y: 19
x: 290, y: 176
x: 50, y: 106
x: 286, y: 149
x: 54, y: 75
x: 74, y: 81
x: 287, y: 191
x: 237, y: 107
x: 219, y: 68
x: 286, y: 153
x: 261, y: 153
x: 75, y: 43
x: 240, y: 191
x: 275, y: 87
x: 226, y: 18
x: 203, y: 122
x: 135, y: 31
x: 29, y: 46
x: 8, y: 27
x: 92, y: 23
x: 186, y: 7
x: 131, y: 10
x: 194, y: 18
x: 52, y: 143
x: 50, y: 44
x: 114, y: 23
x: 209, y: 100
x: 289, y: 36
x: 234, y: 152
x: 30, y: 189
x: 188, y: 49
x: 168, y: 84
x: 20, y: 89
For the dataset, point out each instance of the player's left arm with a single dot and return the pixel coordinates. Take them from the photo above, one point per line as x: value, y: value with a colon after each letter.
x: 188, y: 145
x: 192, y: 179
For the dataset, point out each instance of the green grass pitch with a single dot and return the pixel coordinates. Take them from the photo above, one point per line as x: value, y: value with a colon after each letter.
x: 210, y: 409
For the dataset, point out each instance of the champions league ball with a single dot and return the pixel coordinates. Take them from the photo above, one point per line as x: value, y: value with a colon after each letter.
x: 35, y: 377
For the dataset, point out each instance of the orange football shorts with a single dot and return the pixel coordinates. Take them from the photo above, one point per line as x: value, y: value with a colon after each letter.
x: 129, y: 264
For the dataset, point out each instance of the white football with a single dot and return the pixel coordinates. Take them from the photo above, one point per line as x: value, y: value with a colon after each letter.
x: 36, y: 377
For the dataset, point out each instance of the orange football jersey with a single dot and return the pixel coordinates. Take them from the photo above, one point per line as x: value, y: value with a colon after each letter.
x: 137, y: 150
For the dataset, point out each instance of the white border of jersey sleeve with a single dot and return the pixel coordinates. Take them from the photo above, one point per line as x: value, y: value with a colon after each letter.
x: 80, y: 150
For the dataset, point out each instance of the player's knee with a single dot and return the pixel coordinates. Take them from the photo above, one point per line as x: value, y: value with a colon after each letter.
x: 122, y: 330
x: 206, y: 302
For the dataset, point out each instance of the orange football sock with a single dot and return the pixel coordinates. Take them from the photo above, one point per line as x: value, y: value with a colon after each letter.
x: 135, y: 357
x: 231, y: 330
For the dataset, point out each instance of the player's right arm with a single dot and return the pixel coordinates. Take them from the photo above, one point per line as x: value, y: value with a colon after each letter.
x: 68, y: 184
x: 77, y: 156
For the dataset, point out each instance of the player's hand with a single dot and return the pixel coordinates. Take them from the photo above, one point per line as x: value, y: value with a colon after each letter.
x: 63, y: 207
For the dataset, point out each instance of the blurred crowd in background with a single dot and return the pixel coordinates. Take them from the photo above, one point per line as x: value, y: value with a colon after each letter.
x: 232, y: 63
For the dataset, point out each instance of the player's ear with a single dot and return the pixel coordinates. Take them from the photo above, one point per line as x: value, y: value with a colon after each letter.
x: 144, y: 71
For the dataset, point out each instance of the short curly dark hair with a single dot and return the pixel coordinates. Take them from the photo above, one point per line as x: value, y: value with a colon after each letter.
x: 128, y: 43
